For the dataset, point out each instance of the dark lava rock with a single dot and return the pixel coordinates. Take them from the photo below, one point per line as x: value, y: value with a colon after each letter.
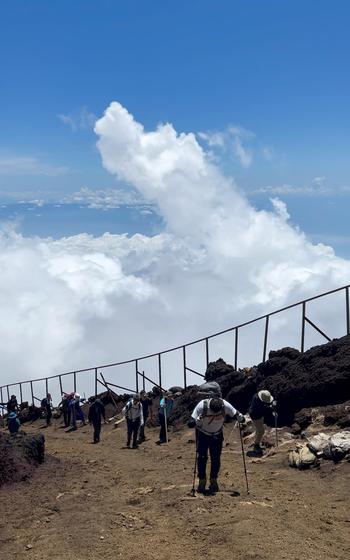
x: 319, y: 377
x: 19, y: 455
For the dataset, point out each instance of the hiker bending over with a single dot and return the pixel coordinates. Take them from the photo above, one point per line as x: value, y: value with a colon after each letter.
x: 96, y: 413
x: 134, y: 419
x: 13, y: 423
x: 64, y: 406
x: 165, y: 409
x: 262, y: 403
x: 208, y: 418
x: 46, y: 404
x: 146, y: 409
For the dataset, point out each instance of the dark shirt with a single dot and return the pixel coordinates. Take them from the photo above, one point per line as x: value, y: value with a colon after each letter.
x: 146, y: 403
x: 12, y: 405
x: 46, y: 403
x: 257, y: 408
x: 96, y: 410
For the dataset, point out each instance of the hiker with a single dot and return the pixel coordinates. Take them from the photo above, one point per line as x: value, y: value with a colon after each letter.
x: 78, y: 413
x: 96, y: 413
x: 134, y: 419
x: 12, y: 405
x: 46, y: 404
x: 165, y: 409
x: 208, y: 418
x: 13, y: 423
x: 66, y: 410
x: 261, y: 405
x: 146, y: 404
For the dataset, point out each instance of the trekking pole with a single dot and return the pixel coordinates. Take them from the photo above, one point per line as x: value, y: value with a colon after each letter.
x: 243, y: 456
x: 276, y: 434
x: 193, y: 491
x: 166, y: 425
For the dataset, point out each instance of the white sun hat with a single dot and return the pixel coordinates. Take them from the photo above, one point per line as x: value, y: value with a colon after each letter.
x: 265, y: 397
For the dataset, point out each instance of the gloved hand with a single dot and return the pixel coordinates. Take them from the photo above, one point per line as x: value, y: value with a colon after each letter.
x: 240, y: 418
x: 191, y: 423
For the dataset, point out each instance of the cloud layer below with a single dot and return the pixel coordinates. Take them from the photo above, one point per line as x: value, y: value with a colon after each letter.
x: 80, y: 301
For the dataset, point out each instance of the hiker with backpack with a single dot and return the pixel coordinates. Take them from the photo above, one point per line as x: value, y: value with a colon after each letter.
x: 13, y: 423
x: 133, y: 414
x: 12, y: 405
x: 95, y: 415
x: 146, y: 403
x: 166, y: 405
x: 46, y: 405
x: 262, y: 404
x: 208, y: 418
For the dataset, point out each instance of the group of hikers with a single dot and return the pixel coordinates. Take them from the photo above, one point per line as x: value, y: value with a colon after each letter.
x: 207, y: 418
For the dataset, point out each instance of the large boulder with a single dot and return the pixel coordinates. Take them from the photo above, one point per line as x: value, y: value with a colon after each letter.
x: 19, y: 455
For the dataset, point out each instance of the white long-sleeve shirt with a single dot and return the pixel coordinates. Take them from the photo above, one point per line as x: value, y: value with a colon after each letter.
x: 212, y: 422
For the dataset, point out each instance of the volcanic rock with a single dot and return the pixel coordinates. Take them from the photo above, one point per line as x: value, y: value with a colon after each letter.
x: 19, y: 455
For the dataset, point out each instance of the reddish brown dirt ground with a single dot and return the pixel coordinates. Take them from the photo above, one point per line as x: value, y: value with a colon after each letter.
x: 89, y: 502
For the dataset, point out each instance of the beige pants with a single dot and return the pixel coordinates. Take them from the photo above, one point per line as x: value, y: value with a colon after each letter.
x: 259, y: 430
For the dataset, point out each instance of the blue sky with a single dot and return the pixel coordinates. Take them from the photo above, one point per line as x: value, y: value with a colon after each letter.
x: 276, y: 69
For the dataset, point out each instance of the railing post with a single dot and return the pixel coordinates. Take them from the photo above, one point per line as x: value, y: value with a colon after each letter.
x: 8, y: 392
x: 185, y: 369
x: 32, y: 393
x: 60, y: 382
x: 347, y: 310
x: 236, y: 348
x: 143, y: 380
x: 303, y: 328
x: 95, y: 381
x: 137, y: 376
x: 47, y: 386
x: 207, y: 350
x: 1, y: 395
x: 75, y: 382
x: 20, y: 393
x: 160, y: 371
x: 265, y: 337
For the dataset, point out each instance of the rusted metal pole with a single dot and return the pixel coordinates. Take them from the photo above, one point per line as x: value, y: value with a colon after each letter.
x: 347, y: 310
x: 160, y: 370
x: 303, y: 328
x: 143, y: 381
x: 236, y: 347
x: 207, y: 350
x: 95, y: 382
x: 31, y: 390
x: 20, y: 392
x: 265, y: 337
x: 184, y: 363
x: 136, y: 376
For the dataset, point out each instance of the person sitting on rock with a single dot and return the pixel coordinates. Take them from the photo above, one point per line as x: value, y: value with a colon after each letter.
x: 261, y: 404
x: 134, y: 419
x: 13, y: 423
x: 208, y: 418
x: 96, y: 412
x: 166, y: 405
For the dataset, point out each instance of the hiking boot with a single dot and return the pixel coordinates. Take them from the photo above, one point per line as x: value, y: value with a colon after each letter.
x: 213, y: 487
x: 257, y: 449
x: 201, y: 485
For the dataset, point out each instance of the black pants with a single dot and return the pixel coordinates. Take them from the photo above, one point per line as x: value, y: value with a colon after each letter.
x: 133, y: 430
x: 162, y: 433
x: 97, y: 430
x: 142, y: 428
x: 66, y: 416
x: 214, y: 444
x: 48, y: 416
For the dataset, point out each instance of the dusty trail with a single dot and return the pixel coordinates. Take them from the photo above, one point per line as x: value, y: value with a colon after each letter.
x: 89, y: 502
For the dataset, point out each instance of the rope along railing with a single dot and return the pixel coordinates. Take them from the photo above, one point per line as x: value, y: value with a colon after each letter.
x: 99, y: 378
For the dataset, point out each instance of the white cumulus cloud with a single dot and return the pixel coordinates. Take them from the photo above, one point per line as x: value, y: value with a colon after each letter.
x: 82, y: 300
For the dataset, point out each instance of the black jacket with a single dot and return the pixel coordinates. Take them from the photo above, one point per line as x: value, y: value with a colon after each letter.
x: 96, y: 411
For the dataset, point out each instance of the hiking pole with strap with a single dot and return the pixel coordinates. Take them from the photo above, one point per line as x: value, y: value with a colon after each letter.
x: 166, y: 423
x: 276, y: 420
x: 243, y: 456
x: 193, y: 491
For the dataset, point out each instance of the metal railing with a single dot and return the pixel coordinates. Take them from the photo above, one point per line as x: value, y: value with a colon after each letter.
x: 99, y: 378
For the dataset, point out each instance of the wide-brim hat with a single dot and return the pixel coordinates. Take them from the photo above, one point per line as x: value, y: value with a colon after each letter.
x: 265, y: 396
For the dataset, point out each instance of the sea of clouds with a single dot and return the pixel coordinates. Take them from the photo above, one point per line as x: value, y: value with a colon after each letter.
x: 81, y: 301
